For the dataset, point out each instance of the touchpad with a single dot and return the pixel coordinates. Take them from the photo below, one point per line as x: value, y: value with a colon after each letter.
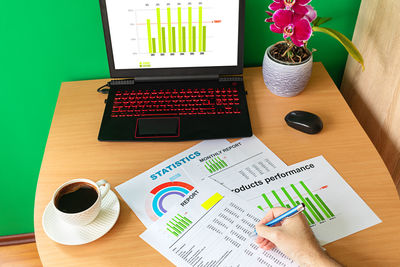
x: 157, y: 127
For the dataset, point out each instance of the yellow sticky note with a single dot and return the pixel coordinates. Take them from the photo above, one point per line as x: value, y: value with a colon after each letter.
x: 212, y: 201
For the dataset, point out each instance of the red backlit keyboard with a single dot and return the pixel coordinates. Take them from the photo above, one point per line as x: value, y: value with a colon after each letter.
x: 174, y: 102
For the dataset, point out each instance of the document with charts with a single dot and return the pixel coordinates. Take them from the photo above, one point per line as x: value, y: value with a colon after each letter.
x: 151, y: 193
x: 211, y: 226
x: 238, y: 166
x: 333, y: 209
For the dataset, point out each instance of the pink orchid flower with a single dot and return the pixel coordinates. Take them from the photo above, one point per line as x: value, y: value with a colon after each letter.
x: 269, y: 14
x: 291, y: 25
x: 311, y: 14
x: 298, y: 6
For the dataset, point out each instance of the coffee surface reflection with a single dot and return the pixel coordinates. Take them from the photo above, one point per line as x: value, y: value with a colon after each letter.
x: 76, y: 197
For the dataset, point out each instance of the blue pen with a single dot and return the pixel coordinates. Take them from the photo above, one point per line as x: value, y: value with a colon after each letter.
x: 292, y: 212
x: 296, y: 210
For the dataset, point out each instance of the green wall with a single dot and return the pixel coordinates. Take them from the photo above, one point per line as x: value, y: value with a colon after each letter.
x: 45, y: 43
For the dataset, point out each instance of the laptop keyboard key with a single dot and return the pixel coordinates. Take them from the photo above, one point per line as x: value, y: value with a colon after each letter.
x: 172, y: 102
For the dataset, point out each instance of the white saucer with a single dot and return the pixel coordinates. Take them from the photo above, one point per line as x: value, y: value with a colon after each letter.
x: 67, y: 234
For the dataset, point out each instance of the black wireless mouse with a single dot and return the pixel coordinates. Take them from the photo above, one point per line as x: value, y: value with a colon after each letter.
x: 304, y: 121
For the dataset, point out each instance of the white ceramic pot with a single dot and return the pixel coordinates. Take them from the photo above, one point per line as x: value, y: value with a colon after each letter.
x: 286, y: 79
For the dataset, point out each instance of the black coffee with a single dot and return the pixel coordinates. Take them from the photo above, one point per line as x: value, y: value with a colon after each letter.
x: 76, y: 197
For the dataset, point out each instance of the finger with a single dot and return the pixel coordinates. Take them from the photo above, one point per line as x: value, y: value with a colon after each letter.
x: 259, y: 239
x: 278, y: 224
x: 264, y: 247
x: 262, y: 244
x: 269, y: 242
x: 268, y: 217
x: 269, y: 246
x: 267, y: 232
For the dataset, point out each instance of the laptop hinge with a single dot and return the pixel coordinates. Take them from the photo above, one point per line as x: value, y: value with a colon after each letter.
x: 220, y: 78
x: 176, y: 78
x: 121, y: 82
x: 233, y: 78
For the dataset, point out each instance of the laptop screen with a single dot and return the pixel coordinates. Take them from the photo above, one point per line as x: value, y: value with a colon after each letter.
x: 172, y: 34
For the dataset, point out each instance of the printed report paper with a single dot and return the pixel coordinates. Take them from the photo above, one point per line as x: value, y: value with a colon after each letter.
x: 239, y: 166
x: 333, y: 208
x: 211, y: 227
x: 151, y: 193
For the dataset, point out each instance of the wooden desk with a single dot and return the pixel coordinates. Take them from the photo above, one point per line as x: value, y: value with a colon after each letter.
x: 73, y: 151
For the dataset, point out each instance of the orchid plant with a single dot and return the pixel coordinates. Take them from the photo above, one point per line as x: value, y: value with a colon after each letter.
x: 297, y: 20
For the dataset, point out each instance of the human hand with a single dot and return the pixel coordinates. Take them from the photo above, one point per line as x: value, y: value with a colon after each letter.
x: 293, y: 237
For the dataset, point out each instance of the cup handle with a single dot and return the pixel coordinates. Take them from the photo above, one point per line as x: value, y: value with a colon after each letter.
x: 106, y: 185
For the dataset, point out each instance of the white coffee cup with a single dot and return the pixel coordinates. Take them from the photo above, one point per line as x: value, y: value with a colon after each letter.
x: 86, y: 216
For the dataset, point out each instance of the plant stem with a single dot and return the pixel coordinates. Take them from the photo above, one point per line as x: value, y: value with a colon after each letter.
x: 287, y: 50
x: 280, y: 42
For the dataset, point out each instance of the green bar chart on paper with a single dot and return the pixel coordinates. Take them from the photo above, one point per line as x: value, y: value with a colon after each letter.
x: 178, y: 224
x: 178, y: 29
x: 215, y: 164
x: 316, y: 209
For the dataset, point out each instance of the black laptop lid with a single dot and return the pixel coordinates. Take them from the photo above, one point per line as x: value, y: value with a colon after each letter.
x: 179, y: 38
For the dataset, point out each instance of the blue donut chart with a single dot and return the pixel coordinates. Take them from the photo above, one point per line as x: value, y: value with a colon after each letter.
x: 165, y: 190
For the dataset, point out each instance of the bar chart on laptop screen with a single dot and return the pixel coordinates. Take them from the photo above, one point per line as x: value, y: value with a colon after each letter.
x: 176, y: 33
x: 152, y: 34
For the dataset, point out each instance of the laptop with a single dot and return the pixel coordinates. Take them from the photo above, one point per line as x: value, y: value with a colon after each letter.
x: 183, y: 62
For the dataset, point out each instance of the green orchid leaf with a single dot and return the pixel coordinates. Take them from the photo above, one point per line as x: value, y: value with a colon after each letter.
x: 319, y: 21
x: 315, y: 21
x: 348, y: 45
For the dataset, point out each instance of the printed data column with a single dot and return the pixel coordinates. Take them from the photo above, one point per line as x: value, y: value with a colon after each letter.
x: 154, y: 45
x: 149, y: 36
x: 180, y: 29
x: 200, y: 29
x: 325, y: 206
x: 164, y: 46
x: 190, y: 29
x: 311, y: 208
x: 267, y: 201
x: 278, y: 199
x: 173, y: 40
x: 204, y: 39
x: 315, y: 199
x: 159, y: 30
x: 169, y: 30
x: 184, y: 39
x: 310, y: 221
x: 194, y: 39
